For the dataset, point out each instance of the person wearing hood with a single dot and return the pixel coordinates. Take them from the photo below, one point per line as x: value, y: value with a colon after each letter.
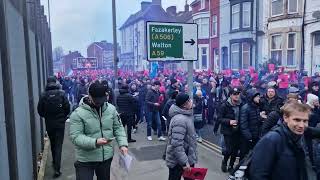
x: 127, y: 107
x: 54, y: 107
x: 93, y: 127
x: 135, y: 93
x: 229, y: 116
x: 181, y: 153
x: 250, y: 122
x: 282, y: 153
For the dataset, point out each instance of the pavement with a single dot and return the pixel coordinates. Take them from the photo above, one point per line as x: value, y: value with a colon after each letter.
x: 147, y: 162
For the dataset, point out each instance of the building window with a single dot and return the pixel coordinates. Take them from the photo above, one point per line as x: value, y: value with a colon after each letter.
x: 276, y: 7
x: 317, y: 39
x: 235, y: 16
x: 246, y: 14
x: 203, y: 4
x: 246, y: 55
x: 291, y: 51
x: 214, y: 26
x: 276, y: 49
x: 235, y: 56
x: 203, y: 25
x: 204, y: 58
x: 292, y: 6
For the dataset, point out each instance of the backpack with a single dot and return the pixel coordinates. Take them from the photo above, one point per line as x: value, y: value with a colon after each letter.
x: 241, y: 171
x: 53, y: 104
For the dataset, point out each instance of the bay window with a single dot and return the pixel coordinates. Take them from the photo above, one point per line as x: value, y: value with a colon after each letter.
x: 276, y: 48
x: 291, y: 51
x: 276, y: 7
x: 214, y: 26
x: 292, y: 6
x: 203, y: 24
x: 235, y: 56
x: 235, y: 16
x: 246, y: 55
x: 246, y: 15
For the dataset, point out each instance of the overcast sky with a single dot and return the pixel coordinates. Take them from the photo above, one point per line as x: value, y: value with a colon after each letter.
x: 77, y: 23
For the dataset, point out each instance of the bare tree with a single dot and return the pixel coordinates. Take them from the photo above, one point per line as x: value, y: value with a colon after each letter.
x: 57, y: 53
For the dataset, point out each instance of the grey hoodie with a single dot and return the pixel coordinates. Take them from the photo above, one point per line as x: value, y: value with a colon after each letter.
x: 182, y: 143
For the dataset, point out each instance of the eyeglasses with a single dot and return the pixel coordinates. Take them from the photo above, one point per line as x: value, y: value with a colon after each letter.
x: 236, y: 93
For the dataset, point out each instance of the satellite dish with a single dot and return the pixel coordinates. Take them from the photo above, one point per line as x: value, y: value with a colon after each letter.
x: 316, y: 14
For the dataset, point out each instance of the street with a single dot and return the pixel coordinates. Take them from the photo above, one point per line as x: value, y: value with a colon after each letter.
x: 147, y: 164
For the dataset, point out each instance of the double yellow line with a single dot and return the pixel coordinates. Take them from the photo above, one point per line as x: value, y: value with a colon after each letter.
x: 212, y: 146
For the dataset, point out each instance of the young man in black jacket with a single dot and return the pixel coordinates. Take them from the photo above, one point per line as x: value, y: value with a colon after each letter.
x: 54, y: 107
x: 250, y: 122
x: 152, y: 110
x: 127, y: 106
x: 282, y: 153
x: 229, y: 116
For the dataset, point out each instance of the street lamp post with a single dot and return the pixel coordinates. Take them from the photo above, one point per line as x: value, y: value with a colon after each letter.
x: 115, y: 44
x: 115, y: 51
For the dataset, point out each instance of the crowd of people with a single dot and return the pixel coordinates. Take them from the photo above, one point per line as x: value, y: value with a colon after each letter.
x: 263, y: 114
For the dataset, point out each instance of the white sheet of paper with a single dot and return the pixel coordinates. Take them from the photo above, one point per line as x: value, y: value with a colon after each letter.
x: 125, y: 161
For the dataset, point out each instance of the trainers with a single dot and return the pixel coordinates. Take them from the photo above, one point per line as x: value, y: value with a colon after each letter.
x: 134, y: 131
x: 199, y: 140
x: 161, y: 138
x: 56, y: 174
x: 149, y: 138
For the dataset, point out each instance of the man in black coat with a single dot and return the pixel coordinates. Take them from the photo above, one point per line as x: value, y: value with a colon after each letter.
x: 250, y: 122
x: 271, y: 101
x: 282, y: 153
x: 152, y: 109
x: 228, y: 116
x: 54, y: 107
x: 127, y: 107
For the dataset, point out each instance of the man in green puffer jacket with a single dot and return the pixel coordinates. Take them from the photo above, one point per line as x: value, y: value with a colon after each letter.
x: 93, y: 127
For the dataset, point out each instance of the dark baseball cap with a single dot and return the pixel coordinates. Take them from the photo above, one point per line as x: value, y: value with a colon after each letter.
x: 235, y: 91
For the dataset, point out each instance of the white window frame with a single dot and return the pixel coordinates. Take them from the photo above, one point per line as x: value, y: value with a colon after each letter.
x: 235, y: 12
x: 204, y: 54
x: 293, y: 12
x: 201, y: 30
x: 249, y: 53
x: 231, y: 55
x: 214, y: 26
x: 202, y: 4
x: 249, y: 13
x: 271, y: 50
x: 292, y: 49
x: 275, y: 15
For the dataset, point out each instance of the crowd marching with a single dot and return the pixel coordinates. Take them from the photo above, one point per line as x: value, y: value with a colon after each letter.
x: 267, y: 118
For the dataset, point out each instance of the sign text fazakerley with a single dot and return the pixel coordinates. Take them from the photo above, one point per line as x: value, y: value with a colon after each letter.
x: 166, y: 41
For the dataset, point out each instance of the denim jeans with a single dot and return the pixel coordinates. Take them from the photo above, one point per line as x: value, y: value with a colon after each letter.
x: 153, y: 116
x: 142, y: 111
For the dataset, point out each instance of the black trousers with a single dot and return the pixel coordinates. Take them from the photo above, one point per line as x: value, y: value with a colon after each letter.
x: 246, y: 146
x: 176, y: 173
x: 127, y: 120
x: 56, y: 136
x: 86, y: 170
x: 232, y: 143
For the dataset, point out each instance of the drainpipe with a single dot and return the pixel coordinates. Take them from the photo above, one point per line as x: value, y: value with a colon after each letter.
x: 257, y: 28
x: 8, y: 98
x: 302, y: 36
x: 210, y: 44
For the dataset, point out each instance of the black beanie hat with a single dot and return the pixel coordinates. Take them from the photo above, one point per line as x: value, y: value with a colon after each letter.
x: 181, y: 99
x: 51, y: 79
x: 97, y: 90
